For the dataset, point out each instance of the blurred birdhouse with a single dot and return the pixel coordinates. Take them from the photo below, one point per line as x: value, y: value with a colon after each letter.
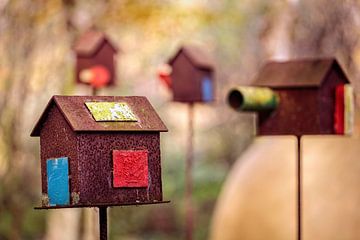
x: 310, y: 96
x: 95, y: 59
x: 99, y: 151
x: 190, y: 75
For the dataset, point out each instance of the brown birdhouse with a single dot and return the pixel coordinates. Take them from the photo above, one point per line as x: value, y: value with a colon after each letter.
x: 192, y: 75
x: 95, y: 59
x: 309, y: 96
x: 99, y: 151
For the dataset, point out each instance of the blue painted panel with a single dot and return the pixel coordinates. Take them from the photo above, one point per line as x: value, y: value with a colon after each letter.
x: 58, y: 181
x: 207, y: 89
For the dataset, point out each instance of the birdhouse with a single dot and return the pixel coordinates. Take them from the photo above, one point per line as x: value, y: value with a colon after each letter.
x: 192, y: 75
x: 95, y: 59
x: 309, y: 96
x: 99, y: 151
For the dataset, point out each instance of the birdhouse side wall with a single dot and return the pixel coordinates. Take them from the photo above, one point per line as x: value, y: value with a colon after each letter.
x: 185, y: 80
x: 297, y: 113
x: 105, y: 56
x: 96, y: 167
x: 207, y: 90
x: 326, y: 105
x: 58, y: 140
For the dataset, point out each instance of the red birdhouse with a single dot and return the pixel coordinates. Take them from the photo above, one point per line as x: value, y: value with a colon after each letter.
x: 95, y: 60
x: 308, y: 96
x: 192, y: 75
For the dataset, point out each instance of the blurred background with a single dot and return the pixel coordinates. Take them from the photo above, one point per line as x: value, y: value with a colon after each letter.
x: 36, y: 62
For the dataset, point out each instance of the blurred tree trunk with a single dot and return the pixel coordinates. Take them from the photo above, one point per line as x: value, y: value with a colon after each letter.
x: 63, y: 224
x: 30, y: 63
x: 91, y: 224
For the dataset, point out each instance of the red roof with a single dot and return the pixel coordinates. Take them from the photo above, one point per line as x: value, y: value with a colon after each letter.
x: 81, y: 120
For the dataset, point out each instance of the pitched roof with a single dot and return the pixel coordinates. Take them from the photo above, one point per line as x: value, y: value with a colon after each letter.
x: 80, y: 119
x: 196, y: 55
x: 296, y: 73
x: 90, y: 41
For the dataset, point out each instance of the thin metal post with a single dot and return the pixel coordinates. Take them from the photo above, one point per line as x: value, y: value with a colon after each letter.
x: 103, y: 223
x: 188, y: 176
x: 94, y: 91
x: 299, y: 190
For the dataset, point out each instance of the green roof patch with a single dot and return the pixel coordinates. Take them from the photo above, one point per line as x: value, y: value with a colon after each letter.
x: 111, y: 112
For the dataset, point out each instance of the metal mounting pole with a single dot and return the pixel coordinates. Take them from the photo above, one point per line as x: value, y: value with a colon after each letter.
x: 103, y: 223
x: 94, y: 91
x: 299, y: 190
x: 188, y: 176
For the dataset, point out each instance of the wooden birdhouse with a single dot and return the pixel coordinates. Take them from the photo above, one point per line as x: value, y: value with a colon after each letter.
x: 99, y: 151
x: 95, y: 59
x: 310, y: 96
x: 192, y: 75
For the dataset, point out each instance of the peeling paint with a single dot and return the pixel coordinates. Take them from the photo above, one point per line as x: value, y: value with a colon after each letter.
x: 75, y: 196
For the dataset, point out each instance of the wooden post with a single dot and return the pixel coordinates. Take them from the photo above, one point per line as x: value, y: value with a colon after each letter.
x: 299, y: 190
x: 103, y: 223
x: 94, y: 91
x: 188, y: 176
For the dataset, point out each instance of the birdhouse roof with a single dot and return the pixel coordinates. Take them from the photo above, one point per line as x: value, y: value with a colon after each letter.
x: 297, y: 73
x: 90, y: 42
x: 80, y: 112
x: 196, y: 55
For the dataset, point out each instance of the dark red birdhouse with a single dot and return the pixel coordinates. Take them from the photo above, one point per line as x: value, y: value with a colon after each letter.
x: 99, y: 151
x: 95, y: 59
x: 192, y: 75
x: 309, y: 96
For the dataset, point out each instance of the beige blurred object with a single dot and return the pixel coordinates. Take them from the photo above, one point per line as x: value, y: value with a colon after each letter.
x: 258, y: 200
x: 63, y: 224
x: 356, y: 132
x: 91, y: 224
x: 331, y: 193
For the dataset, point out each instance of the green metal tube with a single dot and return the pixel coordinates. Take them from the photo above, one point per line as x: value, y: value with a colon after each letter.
x: 253, y: 99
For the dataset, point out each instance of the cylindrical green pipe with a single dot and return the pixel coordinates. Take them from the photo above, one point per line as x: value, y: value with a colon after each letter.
x: 253, y: 99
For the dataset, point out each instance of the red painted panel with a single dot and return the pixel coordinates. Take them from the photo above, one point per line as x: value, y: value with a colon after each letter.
x: 130, y: 168
x: 339, y: 110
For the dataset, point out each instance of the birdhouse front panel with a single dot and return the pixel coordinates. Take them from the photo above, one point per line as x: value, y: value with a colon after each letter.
x: 125, y: 168
x: 97, y: 69
x: 186, y: 86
